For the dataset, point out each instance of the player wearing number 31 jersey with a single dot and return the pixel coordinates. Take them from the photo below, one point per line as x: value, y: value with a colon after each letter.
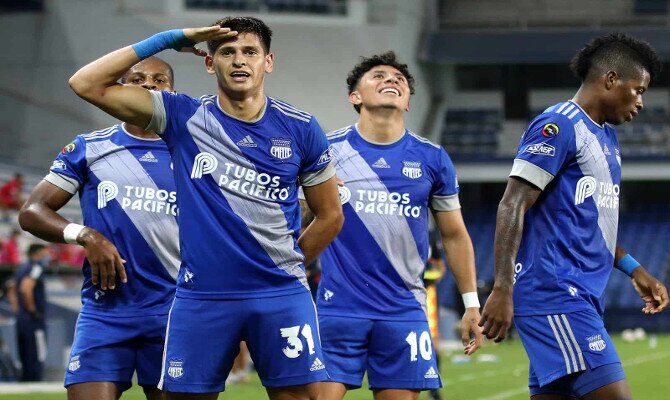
x: 238, y: 158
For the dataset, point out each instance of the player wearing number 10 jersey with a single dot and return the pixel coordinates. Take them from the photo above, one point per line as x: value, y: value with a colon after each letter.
x: 371, y: 299
x: 238, y: 159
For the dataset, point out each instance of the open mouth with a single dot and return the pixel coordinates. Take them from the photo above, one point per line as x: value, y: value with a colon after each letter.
x: 390, y: 90
x: 239, y: 76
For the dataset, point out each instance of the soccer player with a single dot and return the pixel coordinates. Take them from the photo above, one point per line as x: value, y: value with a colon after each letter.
x: 238, y: 156
x: 372, y: 299
x: 128, y: 199
x: 555, y: 242
x: 30, y: 307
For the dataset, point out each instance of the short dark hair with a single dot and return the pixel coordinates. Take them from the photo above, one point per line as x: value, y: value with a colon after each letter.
x: 367, y: 63
x: 243, y: 25
x: 124, y: 78
x: 617, y: 52
x: 34, y: 248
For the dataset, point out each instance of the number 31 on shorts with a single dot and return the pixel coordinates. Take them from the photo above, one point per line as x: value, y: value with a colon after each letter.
x: 423, y: 345
x: 295, y: 346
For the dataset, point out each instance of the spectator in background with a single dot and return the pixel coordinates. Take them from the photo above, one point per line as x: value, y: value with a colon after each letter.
x: 31, y: 300
x: 10, y: 252
x: 10, y: 195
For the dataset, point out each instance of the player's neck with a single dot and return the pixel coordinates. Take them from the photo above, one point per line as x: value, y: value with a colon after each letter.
x: 246, y: 108
x: 136, y: 131
x: 381, y: 127
x: 591, y: 105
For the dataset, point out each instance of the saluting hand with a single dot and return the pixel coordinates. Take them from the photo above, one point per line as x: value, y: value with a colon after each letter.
x: 204, y: 34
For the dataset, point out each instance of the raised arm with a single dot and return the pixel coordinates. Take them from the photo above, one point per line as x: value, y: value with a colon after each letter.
x: 324, y: 203
x: 461, y: 258
x: 97, y: 82
x: 39, y: 217
x: 498, y: 311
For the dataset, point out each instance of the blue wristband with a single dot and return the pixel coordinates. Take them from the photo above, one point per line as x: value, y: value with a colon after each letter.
x: 174, y: 39
x: 627, y: 264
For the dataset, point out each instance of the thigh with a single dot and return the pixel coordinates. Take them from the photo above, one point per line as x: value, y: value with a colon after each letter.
x: 102, y: 351
x: 202, y: 341
x: 93, y: 390
x: 150, y: 351
x: 401, y: 356
x: 345, y: 343
x: 283, y: 339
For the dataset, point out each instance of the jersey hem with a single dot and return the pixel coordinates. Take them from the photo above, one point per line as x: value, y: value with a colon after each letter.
x: 336, y: 313
x: 119, y: 313
x: 187, y: 294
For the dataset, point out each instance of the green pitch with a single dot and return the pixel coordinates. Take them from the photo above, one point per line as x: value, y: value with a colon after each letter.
x: 503, y: 377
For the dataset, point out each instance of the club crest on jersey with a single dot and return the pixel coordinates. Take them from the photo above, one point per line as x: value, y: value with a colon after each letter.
x: 107, y: 191
x: 345, y: 194
x: 549, y: 130
x: 281, y: 148
x: 176, y: 369
x: 412, y: 169
x: 68, y: 149
x: 203, y: 163
x: 74, y: 364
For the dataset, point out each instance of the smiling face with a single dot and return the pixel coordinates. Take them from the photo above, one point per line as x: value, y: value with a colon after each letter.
x: 623, y: 99
x: 151, y: 74
x: 240, y: 65
x: 382, y: 87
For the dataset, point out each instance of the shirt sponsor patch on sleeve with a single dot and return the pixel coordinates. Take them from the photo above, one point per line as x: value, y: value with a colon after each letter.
x: 326, y: 156
x: 542, y: 149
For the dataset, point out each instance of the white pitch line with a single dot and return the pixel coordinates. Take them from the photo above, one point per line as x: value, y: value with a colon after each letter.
x: 43, y: 387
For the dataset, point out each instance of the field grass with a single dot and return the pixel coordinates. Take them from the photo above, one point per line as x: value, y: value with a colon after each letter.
x: 504, y: 378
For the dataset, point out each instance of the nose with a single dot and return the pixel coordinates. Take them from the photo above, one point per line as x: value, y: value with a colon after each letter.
x: 639, y: 105
x: 238, y: 62
x: 391, y: 79
x: 149, y: 85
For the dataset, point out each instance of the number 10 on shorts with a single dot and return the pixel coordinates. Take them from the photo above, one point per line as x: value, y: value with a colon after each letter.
x: 295, y: 345
x: 423, y: 345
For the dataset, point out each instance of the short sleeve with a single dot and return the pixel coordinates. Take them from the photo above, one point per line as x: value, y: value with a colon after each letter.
x: 317, y: 154
x: 68, y: 171
x: 547, y: 144
x: 167, y: 107
x: 444, y: 196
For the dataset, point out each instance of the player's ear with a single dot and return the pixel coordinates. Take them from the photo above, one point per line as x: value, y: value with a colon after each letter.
x: 407, y: 108
x: 269, y: 62
x: 355, y: 98
x: 209, y: 64
x: 611, y: 77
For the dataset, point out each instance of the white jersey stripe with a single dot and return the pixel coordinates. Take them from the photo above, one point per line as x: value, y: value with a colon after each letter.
x: 562, y: 107
x: 560, y: 344
x: 288, y: 114
x: 571, y: 116
x: 289, y: 107
x: 567, y: 110
x: 423, y: 139
x: 568, y: 328
x: 167, y: 332
x: 567, y: 342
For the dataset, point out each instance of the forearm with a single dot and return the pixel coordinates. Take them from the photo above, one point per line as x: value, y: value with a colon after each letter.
x: 93, y: 79
x: 461, y: 258
x: 43, y: 222
x: 318, y: 235
x: 509, y: 228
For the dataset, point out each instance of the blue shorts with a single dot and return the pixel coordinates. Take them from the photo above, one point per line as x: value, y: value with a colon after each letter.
x: 204, y: 338
x: 574, y: 344
x: 111, y: 349
x: 395, y: 354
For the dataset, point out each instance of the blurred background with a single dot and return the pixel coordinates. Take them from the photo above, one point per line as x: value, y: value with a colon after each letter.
x: 483, y: 68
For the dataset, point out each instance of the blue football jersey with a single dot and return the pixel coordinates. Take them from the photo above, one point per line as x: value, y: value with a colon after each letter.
x: 569, y: 238
x: 127, y: 193
x: 374, y: 268
x: 237, y: 187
